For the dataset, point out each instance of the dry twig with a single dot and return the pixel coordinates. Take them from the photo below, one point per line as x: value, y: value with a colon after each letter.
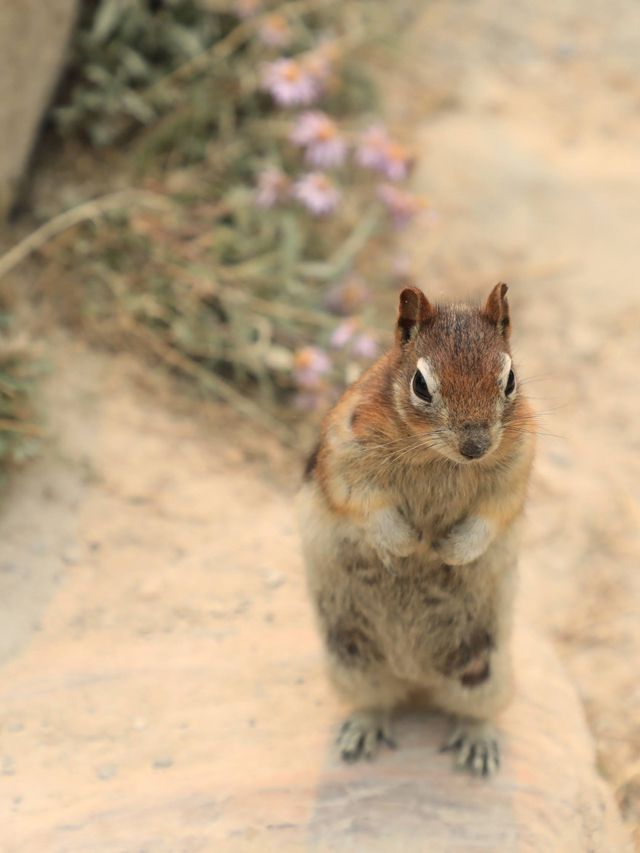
x: 74, y: 216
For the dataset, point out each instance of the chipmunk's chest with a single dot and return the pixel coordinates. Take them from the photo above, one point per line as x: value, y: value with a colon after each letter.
x: 433, y: 497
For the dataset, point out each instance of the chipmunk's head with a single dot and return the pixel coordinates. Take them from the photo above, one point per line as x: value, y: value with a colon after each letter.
x: 454, y: 382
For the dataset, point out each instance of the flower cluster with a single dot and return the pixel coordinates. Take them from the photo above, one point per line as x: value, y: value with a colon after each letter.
x: 378, y: 152
x: 318, y: 134
x: 301, y: 81
x: 290, y: 83
x: 362, y: 344
x: 297, y: 254
x: 313, y: 175
x: 317, y: 193
x: 325, y: 147
x: 402, y: 205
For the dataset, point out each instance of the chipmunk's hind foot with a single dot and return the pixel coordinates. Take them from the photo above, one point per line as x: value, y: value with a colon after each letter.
x: 476, y: 748
x: 362, y: 734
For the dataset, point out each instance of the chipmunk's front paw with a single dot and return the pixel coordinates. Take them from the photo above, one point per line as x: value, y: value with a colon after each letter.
x: 391, y: 535
x: 476, y: 748
x: 465, y: 542
x: 362, y: 733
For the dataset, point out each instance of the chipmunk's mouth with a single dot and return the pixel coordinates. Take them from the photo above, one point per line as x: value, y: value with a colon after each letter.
x: 459, y: 459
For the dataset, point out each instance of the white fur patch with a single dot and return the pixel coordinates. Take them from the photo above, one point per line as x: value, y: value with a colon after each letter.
x: 466, y: 541
x: 429, y: 377
x: 429, y: 374
x: 504, y: 374
x: 390, y: 534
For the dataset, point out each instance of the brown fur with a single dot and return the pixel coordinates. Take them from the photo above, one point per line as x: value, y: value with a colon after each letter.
x: 410, y: 547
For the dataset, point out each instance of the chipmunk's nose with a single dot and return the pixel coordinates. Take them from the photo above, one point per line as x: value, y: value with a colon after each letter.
x: 475, y: 441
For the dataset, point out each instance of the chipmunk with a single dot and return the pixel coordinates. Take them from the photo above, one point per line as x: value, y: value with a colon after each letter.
x: 409, y: 517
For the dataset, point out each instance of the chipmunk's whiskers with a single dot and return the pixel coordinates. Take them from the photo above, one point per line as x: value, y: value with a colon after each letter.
x: 411, y: 445
x: 517, y: 430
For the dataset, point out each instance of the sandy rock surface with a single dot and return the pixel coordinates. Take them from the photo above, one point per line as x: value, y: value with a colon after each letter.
x: 161, y: 686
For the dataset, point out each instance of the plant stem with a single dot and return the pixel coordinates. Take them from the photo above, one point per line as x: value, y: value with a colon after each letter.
x: 74, y: 216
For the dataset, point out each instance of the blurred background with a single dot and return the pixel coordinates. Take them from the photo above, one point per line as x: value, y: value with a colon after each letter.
x: 207, y: 208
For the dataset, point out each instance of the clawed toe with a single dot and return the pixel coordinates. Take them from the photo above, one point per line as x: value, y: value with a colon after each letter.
x: 362, y: 734
x: 474, y: 744
x: 476, y: 749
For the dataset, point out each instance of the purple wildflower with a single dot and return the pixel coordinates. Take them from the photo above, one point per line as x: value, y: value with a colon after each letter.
x: 311, y: 364
x: 317, y: 193
x: 319, y: 134
x: 372, y: 143
x: 365, y: 346
x: 273, y: 187
x: 343, y: 333
x: 378, y: 152
x: 274, y: 31
x: 397, y: 162
x: 402, y: 206
x: 289, y: 83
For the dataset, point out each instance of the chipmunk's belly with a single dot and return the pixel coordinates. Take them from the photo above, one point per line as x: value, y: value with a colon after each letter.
x: 430, y: 619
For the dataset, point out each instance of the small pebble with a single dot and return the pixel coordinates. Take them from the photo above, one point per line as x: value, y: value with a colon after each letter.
x: 162, y: 762
x: 560, y: 459
x: 71, y: 556
x: 274, y: 579
x: 106, y: 771
x: 138, y: 500
x: 8, y: 767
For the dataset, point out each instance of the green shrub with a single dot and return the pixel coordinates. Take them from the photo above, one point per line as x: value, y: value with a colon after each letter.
x: 19, y: 431
x: 274, y: 186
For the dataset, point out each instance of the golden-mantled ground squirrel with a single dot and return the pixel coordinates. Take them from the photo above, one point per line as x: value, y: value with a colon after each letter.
x: 409, y: 513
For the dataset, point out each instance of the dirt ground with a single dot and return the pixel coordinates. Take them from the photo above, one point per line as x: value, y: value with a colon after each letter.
x: 158, y: 663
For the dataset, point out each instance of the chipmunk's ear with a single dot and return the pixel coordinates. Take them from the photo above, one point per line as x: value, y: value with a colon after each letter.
x: 496, y: 309
x: 414, y: 310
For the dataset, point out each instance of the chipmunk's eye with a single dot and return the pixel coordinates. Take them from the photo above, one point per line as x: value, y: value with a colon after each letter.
x: 509, y: 388
x: 420, y: 387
